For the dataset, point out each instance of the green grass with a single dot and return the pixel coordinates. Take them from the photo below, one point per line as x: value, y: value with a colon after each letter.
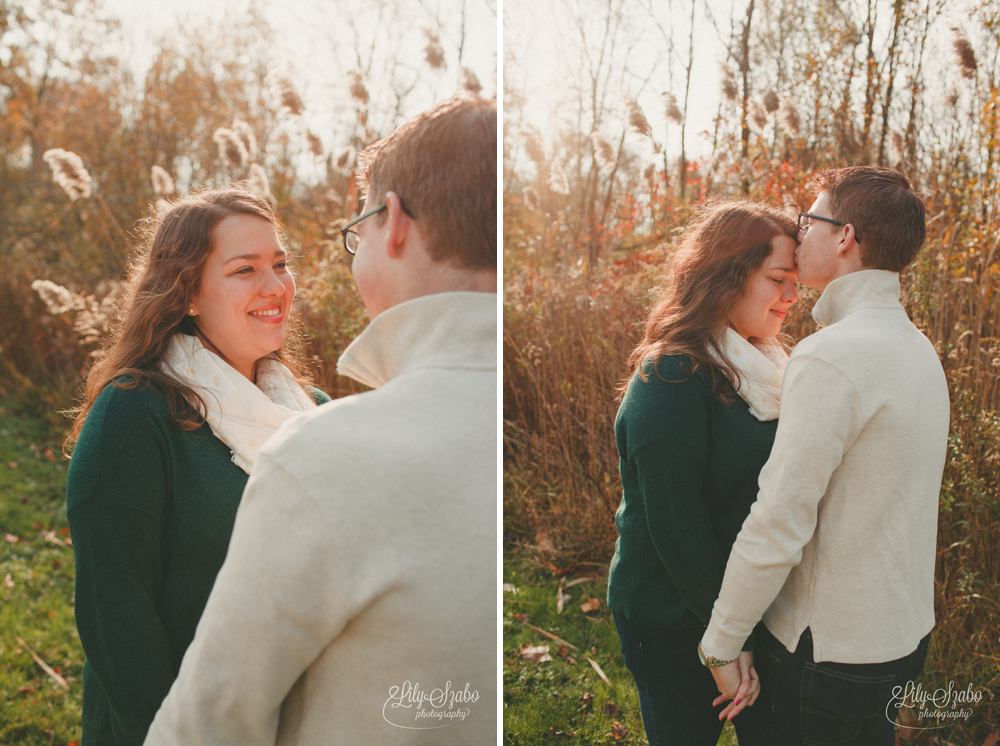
x: 545, y: 702
x: 36, y: 587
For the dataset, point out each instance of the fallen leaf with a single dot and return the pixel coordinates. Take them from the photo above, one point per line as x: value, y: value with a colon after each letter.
x: 11, y: 464
x: 588, y: 699
x: 543, y: 542
x: 561, y: 732
x: 592, y: 604
x: 38, y: 525
x: 906, y: 720
x: 599, y: 671
x: 64, y: 530
x: 571, y: 660
x: 563, y: 651
x: 991, y: 739
x: 56, y: 564
x: 8, y: 581
x: 561, y: 600
x: 617, y: 730
x: 536, y: 653
x: 49, y: 454
x: 507, y: 587
x: 24, y: 691
x: 11, y: 538
x: 611, y: 710
x: 53, y: 539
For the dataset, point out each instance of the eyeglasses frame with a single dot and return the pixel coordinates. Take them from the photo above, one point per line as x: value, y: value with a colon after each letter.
x: 347, y: 228
x: 810, y: 216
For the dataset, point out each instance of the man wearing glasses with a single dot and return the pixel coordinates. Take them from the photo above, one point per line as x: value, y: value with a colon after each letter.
x: 357, y: 603
x: 837, y: 554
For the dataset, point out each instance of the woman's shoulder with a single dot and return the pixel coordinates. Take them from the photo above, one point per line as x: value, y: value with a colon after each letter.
x: 670, y: 370
x: 318, y: 395
x: 125, y: 397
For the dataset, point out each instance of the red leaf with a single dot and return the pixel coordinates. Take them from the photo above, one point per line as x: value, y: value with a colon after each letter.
x: 617, y: 730
x: 611, y: 710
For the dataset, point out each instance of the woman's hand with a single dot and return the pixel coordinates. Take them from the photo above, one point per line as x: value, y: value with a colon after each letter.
x: 738, y: 682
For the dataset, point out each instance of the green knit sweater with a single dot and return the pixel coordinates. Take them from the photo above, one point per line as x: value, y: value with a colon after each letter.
x: 689, y: 465
x: 151, y: 509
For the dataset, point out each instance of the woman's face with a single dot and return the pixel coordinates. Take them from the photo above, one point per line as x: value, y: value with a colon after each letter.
x: 769, y: 293
x: 246, y: 291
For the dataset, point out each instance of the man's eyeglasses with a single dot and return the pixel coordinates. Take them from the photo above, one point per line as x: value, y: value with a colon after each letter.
x: 351, y: 236
x: 805, y: 217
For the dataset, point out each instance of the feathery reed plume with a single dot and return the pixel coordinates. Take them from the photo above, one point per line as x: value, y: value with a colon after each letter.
x: 245, y: 133
x: 730, y: 91
x: 896, y: 147
x: 672, y: 111
x: 433, y: 52
x: 161, y: 207
x: 533, y: 143
x: 636, y: 118
x: 56, y: 298
x: 93, y: 318
x: 345, y: 158
x: 604, y: 154
x: 357, y: 88
x: 530, y: 198
x: 470, y: 82
x: 288, y: 98
x: 771, y: 101
x: 315, y: 144
x: 231, y: 147
x: 788, y: 117
x: 952, y: 96
x: 163, y: 185
x: 558, y: 182
x: 257, y: 180
x: 69, y: 173
x: 964, y: 54
x: 758, y: 116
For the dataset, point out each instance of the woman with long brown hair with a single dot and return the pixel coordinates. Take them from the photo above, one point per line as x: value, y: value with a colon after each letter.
x: 200, y: 370
x: 694, y: 429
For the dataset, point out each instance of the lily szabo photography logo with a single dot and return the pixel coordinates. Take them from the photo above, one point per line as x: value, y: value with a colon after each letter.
x: 413, y: 707
x: 934, y: 709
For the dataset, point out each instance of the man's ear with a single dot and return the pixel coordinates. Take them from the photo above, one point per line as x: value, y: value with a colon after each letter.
x: 400, y: 224
x: 848, y: 240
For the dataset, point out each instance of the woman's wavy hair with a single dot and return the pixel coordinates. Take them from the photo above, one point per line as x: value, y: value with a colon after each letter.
x: 706, y: 277
x: 162, y: 280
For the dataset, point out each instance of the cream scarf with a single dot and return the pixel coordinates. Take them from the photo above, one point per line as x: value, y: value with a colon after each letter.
x: 761, y: 369
x: 240, y: 414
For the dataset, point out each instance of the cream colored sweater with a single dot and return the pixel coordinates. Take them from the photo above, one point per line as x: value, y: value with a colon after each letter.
x: 357, y: 603
x: 842, y: 536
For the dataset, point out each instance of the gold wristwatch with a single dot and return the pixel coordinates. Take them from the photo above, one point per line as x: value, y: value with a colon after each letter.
x: 708, y: 660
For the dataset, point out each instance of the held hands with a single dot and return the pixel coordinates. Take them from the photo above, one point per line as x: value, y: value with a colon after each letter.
x: 737, y: 681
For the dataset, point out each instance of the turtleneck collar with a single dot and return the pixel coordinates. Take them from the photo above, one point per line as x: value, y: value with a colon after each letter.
x: 442, y: 330
x: 867, y: 288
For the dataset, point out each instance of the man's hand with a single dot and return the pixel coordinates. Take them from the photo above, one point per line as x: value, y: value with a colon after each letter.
x: 737, y: 681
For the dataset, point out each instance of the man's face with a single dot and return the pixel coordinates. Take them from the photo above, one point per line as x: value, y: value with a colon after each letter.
x: 816, y: 255
x: 368, y: 266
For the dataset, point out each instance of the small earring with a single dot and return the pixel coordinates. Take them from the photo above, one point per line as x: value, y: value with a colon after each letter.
x: 191, y: 311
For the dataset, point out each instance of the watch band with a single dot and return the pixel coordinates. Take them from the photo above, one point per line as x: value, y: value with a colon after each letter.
x: 710, y: 661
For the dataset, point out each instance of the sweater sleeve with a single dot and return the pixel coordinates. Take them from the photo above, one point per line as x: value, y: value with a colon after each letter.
x: 116, y: 500
x: 668, y: 437
x: 278, y: 601
x: 821, y: 417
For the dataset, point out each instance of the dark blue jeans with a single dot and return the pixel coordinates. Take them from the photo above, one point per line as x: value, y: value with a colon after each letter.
x: 813, y: 704
x: 676, y: 691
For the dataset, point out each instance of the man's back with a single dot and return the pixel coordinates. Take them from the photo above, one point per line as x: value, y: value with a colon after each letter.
x: 365, y: 548
x: 865, y: 402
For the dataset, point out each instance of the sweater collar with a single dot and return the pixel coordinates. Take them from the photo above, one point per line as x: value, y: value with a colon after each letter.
x: 867, y: 288
x: 442, y: 330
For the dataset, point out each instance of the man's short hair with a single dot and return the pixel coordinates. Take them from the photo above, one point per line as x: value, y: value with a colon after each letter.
x: 443, y: 165
x: 887, y: 215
